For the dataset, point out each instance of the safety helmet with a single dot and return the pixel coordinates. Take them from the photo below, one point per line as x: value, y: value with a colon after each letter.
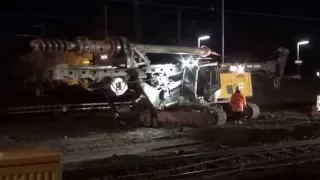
x: 237, y: 89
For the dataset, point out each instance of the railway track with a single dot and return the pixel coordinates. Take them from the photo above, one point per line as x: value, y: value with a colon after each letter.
x: 205, y: 164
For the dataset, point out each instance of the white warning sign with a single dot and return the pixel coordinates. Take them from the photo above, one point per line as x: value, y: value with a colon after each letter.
x: 318, y: 103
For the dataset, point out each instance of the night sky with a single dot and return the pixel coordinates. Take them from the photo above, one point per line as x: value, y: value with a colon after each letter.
x: 250, y: 27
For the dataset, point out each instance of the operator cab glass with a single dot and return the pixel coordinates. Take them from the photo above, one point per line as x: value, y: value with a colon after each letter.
x: 207, y: 78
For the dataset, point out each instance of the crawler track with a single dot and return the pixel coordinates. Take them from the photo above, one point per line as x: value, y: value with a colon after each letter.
x: 193, y: 115
x: 205, y: 164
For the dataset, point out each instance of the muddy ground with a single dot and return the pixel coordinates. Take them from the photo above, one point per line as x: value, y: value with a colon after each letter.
x: 87, y: 137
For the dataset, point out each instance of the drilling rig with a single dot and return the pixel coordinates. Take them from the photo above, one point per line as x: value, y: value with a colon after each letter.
x: 194, y: 91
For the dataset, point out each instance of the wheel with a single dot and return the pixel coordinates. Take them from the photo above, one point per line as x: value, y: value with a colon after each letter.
x: 218, y: 106
x: 212, y: 116
x: 221, y: 116
x: 252, y: 111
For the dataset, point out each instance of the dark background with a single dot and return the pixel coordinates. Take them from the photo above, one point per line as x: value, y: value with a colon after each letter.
x: 252, y: 27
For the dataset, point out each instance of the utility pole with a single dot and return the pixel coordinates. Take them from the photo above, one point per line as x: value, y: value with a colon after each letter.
x: 179, y: 26
x: 137, y: 22
x: 222, y: 34
x: 105, y: 21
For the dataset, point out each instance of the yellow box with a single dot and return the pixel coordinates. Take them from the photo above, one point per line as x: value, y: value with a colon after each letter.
x: 229, y: 82
x: 30, y: 164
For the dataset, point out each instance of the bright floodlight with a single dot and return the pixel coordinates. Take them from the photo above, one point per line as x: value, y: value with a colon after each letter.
x: 303, y: 42
x: 237, y: 69
x: 203, y: 38
x: 298, y: 44
x: 190, y: 62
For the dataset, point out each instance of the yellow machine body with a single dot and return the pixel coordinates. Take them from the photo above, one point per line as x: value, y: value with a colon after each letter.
x: 230, y: 81
x: 74, y: 59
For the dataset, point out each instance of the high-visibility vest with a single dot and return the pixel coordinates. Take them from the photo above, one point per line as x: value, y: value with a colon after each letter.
x: 238, y: 102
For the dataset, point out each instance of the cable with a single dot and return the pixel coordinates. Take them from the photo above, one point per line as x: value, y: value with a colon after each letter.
x: 167, y: 5
x: 42, y: 16
x: 164, y: 5
x: 274, y: 15
x: 213, y: 9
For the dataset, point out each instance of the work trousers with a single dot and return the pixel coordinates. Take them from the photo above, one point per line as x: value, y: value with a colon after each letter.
x: 237, y: 115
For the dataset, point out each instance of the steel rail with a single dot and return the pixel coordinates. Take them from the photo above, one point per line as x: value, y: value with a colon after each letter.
x: 226, y: 161
x: 217, y: 154
x: 215, y: 172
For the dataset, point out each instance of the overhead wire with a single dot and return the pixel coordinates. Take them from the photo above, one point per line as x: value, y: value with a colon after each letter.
x: 213, y: 9
x: 163, y: 5
x: 166, y: 5
x: 43, y: 16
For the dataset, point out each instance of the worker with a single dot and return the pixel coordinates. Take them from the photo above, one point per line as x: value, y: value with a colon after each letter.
x: 238, y: 102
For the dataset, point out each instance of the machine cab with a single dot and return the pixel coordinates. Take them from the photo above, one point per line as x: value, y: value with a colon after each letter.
x: 214, y: 82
